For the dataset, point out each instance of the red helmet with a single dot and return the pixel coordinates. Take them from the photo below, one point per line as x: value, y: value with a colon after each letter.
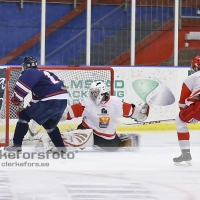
x: 195, y: 64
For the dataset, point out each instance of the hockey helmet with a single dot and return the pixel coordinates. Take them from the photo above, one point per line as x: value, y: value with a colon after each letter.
x: 98, y: 92
x: 29, y: 62
x: 195, y: 64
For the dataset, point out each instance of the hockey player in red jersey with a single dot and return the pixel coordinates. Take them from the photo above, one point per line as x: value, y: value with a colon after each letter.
x: 99, y: 112
x: 189, y: 105
x: 48, y: 103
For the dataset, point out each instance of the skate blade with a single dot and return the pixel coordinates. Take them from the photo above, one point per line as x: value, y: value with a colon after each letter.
x: 183, y: 163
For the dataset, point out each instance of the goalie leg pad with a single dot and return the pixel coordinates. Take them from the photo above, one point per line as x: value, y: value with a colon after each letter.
x: 72, y: 140
x: 78, y: 138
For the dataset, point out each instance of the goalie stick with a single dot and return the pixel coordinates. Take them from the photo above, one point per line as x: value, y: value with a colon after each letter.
x: 155, y: 122
x: 139, y: 123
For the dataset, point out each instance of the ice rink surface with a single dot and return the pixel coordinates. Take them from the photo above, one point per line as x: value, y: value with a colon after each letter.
x: 146, y: 174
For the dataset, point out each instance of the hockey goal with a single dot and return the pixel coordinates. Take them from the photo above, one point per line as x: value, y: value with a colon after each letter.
x: 77, y: 81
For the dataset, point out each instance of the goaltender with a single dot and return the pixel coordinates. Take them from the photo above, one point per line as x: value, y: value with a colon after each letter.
x: 98, y: 127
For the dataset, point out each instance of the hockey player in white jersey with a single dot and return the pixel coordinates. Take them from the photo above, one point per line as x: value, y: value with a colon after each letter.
x: 98, y: 127
x: 189, y: 105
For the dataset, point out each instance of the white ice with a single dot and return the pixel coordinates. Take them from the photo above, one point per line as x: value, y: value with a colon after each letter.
x: 148, y: 173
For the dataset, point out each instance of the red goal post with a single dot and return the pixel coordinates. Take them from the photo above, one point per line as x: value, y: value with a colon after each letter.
x: 76, y: 79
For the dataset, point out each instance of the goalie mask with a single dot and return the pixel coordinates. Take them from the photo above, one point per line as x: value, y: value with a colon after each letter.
x: 29, y: 62
x: 98, y: 92
x: 195, y: 64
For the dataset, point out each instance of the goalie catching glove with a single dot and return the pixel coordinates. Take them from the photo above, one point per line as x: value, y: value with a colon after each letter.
x: 140, y: 113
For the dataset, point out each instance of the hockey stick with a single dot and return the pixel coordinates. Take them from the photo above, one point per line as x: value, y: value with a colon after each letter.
x: 154, y: 122
x: 139, y: 123
x: 33, y: 125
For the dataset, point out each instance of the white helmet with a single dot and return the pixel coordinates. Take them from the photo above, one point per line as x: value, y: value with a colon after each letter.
x: 98, y: 91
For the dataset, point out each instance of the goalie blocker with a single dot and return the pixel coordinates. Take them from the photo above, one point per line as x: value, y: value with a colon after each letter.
x: 82, y: 138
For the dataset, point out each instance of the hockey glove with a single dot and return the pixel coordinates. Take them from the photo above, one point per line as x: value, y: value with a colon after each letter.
x: 140, y: 113
x: 15, y: 102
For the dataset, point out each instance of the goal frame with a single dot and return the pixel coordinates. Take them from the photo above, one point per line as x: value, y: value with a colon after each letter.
x: 8, y: 92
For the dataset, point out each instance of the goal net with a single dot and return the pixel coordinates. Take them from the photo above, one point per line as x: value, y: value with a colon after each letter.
x: 77, y: 81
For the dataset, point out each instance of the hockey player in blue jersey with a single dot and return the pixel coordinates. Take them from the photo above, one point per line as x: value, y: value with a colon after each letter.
x: 48, y: 103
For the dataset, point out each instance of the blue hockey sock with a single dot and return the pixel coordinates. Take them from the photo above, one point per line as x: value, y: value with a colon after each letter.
x: 56, y: 138
x: 20, y: 131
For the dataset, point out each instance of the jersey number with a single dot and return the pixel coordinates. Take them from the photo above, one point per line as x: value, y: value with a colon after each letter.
x: 50, y: 77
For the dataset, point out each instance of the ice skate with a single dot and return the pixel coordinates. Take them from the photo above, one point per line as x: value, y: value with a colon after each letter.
x: 13, y: 148
x: 184, y: 159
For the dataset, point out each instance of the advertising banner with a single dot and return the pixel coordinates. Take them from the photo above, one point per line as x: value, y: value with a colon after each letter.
x: 159, y: 87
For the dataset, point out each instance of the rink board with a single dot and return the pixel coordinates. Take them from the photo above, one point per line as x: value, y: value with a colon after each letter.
x: 142, y: 128
x: 155, y: 127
